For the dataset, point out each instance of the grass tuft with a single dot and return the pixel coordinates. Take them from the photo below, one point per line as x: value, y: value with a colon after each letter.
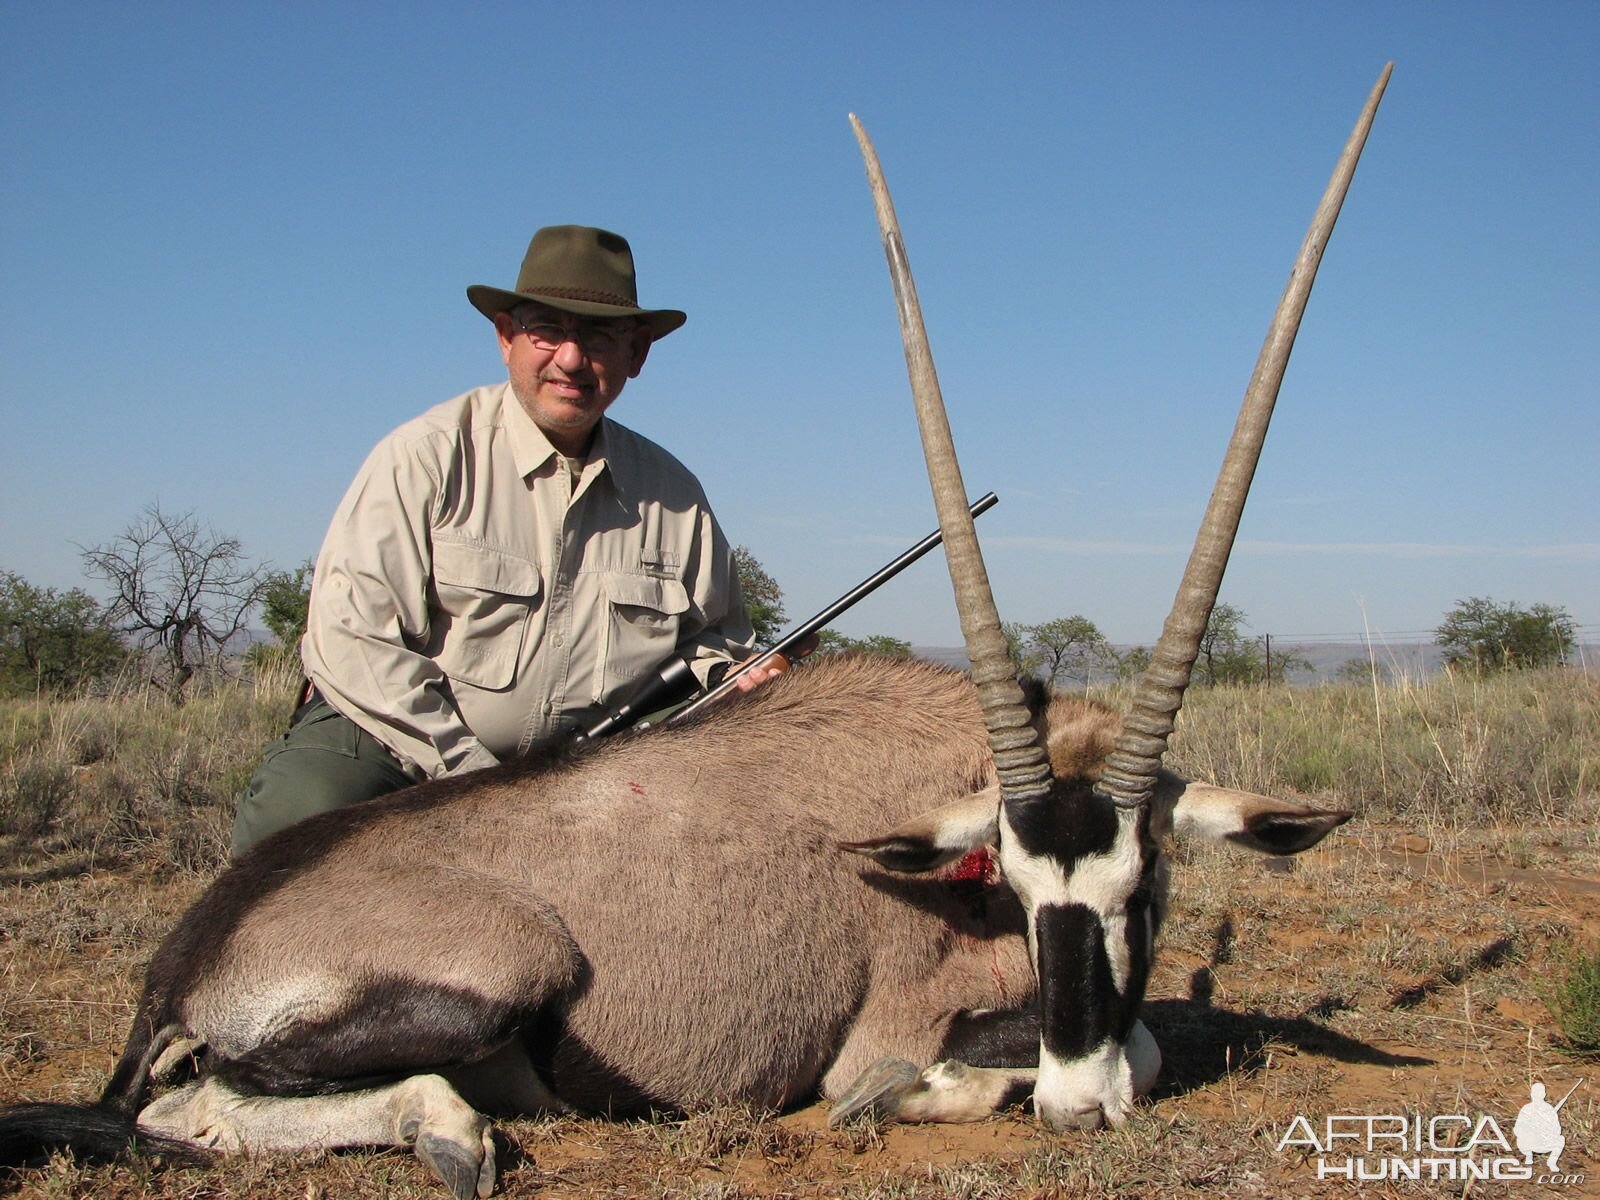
x: 1574, y: 999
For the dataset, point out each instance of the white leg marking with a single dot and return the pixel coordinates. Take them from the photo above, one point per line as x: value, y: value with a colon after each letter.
x: 953, y: 1092
x: 174, y: 1058
x: 423, y: 1109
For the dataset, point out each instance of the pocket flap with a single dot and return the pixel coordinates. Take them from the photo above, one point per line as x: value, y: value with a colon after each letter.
x: 646, y: 591
x: 485, y: 568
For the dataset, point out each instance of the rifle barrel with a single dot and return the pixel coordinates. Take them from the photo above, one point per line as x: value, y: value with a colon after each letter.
x: 808, y: 627
x: 1568, y: 1096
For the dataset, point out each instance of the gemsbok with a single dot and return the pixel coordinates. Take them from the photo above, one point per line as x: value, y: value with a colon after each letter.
x: 748, y: 906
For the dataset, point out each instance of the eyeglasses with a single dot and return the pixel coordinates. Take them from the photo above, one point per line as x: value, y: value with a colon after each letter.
x: 598, y: 337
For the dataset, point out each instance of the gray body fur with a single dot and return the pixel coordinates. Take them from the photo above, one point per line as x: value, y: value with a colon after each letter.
x: 679, y: 897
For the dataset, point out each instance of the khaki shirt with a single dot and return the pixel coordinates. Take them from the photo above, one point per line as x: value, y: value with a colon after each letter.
x: 478, y: 592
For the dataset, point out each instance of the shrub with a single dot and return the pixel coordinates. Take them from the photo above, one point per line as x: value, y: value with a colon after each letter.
x: 49, y: 641
x: 1488, y: 635
x: 1574, y: 998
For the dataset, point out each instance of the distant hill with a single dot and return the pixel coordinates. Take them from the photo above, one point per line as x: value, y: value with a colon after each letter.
x: 1398, y: 660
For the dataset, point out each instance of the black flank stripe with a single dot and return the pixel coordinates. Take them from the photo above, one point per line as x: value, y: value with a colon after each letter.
x: 392, y: 1028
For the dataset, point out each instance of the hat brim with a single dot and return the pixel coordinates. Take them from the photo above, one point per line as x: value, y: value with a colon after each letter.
x: 492, y: 301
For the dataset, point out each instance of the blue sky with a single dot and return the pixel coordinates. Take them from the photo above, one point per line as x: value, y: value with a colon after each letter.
x: 234, y: 242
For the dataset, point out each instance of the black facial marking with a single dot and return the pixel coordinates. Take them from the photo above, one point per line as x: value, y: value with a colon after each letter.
x: 1139, y: 931
x: 392, y: 1028
x: 1080, y: 1001
x: 1078, y: 998
x: 999, y: 1038
x: 1073, y: 822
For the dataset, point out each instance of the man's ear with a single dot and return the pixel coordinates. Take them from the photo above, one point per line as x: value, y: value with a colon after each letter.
x: 1256, y: 822
x: 931, y: 839
x: 506, y: 331
x: 642, y: 341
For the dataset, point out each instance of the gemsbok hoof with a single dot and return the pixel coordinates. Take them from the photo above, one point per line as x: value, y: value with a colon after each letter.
x: 467, y: 1172
x: 876, y: 1091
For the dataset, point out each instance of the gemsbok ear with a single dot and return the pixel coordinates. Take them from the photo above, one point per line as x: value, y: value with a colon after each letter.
x: 931, y: 839
x: 1257, y: 822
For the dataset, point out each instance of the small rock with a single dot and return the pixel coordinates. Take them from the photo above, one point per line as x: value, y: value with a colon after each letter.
x: 1278, y: 865
x: 1415, y: 843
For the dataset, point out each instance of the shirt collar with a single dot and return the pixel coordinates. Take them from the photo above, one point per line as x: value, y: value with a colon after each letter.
x: 531, y: 450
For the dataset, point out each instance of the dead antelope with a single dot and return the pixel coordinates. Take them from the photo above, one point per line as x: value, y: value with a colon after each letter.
x: 666, y: 920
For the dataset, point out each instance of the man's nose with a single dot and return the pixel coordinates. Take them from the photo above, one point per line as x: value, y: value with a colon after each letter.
x: 570, y: 354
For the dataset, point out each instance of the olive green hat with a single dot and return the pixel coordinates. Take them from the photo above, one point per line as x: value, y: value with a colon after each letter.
x: 579, y: 270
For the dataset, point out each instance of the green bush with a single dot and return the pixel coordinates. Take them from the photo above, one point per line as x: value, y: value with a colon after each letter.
x: 52, y: 642
x: 1574, y: 998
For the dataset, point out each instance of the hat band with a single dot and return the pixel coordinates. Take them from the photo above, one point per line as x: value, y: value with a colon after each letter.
x: 588, y: 295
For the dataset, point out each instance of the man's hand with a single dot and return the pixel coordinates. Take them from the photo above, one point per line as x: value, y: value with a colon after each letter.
x: 748, y: 681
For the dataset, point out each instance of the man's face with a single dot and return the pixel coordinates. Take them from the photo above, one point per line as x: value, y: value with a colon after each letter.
x: 566, y: 385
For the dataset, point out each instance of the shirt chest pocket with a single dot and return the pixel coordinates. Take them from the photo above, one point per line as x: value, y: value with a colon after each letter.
x: 484, y: 600
x: 641, y: 627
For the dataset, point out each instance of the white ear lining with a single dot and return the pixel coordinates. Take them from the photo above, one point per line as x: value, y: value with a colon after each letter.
x: 967, y: 823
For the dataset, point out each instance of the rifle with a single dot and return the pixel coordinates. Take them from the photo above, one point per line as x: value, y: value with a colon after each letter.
x: 675, y: 682
x: 1567, y: 1097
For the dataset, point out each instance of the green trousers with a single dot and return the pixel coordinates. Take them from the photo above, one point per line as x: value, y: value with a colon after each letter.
x: 324, y: 761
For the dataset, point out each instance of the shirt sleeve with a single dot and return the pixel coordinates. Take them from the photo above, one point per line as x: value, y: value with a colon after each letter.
x: 717, y: 628
x: 369, y: 613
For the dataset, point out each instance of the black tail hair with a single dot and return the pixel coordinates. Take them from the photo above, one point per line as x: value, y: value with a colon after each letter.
x: 30, y: 1133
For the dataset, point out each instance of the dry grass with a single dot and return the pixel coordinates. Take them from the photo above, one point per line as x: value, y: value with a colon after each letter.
x: 131, y: 775
x: 1403, y: 967
x: 1455, y: 750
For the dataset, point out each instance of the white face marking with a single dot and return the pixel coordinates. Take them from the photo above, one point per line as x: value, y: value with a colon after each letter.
x: 1102, y: 883
x: 1144, y: 1058
x: 1104, y: 1083
x: 1079, y: 1094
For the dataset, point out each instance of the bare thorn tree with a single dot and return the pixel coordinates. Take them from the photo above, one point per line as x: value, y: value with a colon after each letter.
x: 180, y: 591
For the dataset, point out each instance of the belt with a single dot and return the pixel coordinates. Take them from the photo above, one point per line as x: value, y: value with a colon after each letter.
x: 311, y: 698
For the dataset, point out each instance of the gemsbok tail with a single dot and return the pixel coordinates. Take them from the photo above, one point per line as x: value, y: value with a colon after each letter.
x: 106, y: 1129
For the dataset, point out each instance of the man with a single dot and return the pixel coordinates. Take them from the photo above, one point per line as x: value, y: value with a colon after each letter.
x: 507, y: 564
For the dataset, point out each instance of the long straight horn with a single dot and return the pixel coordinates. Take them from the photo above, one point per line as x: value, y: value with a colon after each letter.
x: 1131, y: 769
x: 1020, y: 760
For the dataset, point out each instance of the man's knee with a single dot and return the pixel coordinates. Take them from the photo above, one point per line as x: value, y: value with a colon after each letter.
x: 324, y: 762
